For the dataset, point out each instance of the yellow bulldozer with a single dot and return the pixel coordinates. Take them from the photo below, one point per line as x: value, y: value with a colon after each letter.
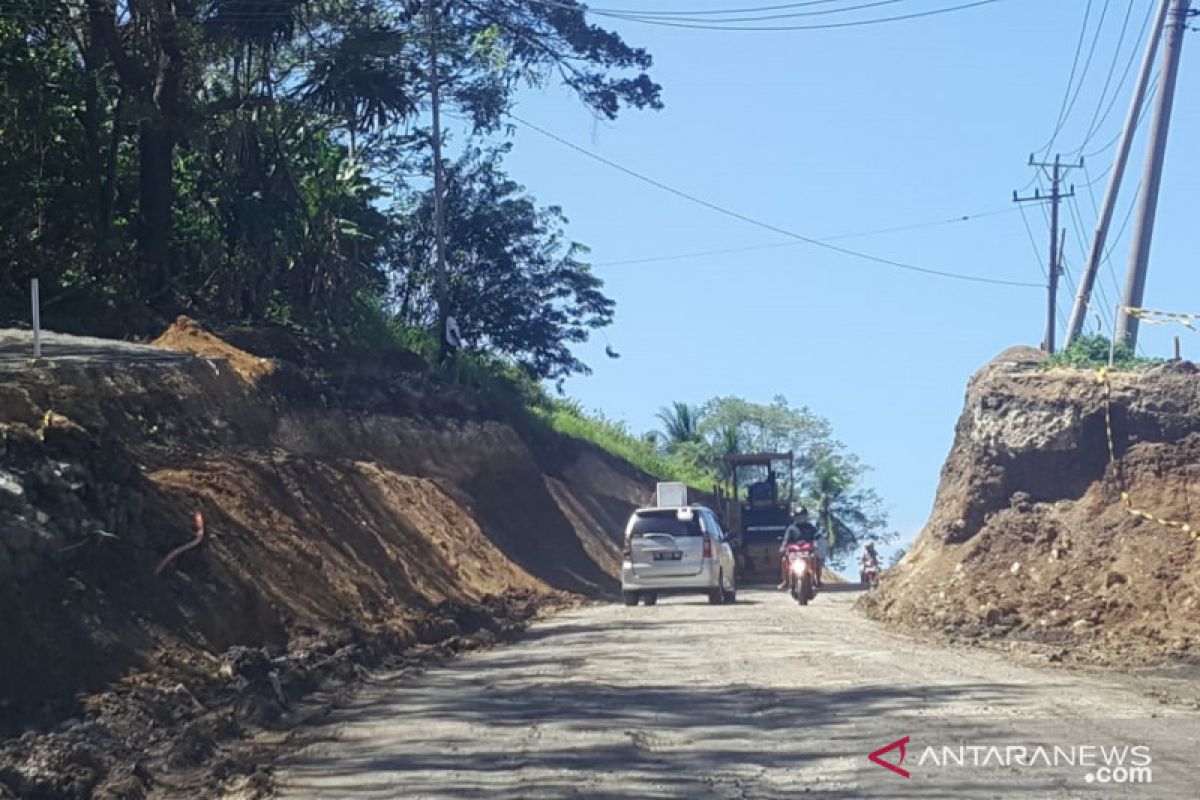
x: 755, y: 506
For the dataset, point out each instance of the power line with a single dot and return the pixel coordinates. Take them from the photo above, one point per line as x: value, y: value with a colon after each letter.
x: 1054, y: 265
x: 1087, y: 64
x: 1141, y: 118
x: 1037, y: 255
x: 641, y: 17
x: 1082, y: 240
x: 1062, y: 109
x: 719, y: 26
x: 1105, y: 260
x: 694, y: 12
x: 777, y: 245
x: 765, y: 225
x: 1100, y: 114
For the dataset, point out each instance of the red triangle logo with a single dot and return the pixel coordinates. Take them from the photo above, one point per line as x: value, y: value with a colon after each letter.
x: 896, y: 768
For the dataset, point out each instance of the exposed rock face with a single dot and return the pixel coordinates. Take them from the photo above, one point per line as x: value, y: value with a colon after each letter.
x: 349, y: 519
x: 1029, y: 536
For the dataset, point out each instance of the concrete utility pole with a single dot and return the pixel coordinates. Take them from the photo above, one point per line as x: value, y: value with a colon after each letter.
x: 1087, y: 281
x: 1143, y: 232
x: 439, y: 223
x: 1056, y: 196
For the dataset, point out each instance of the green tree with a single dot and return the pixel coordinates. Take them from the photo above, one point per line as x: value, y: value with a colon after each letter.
x: 827, y: 478
x: 517, y: 286
x: 846, y: 512
x: 681, y: 424
x: 238, y: 162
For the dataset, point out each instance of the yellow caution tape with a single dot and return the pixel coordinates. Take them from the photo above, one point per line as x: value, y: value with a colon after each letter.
x: 1152, y: 317
x: 1103, y: 377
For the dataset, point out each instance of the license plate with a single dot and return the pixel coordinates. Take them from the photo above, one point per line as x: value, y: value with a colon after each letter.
x: 676, y: 556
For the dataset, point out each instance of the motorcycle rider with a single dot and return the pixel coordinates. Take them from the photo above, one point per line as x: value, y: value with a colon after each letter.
x: 868, y: 558
x: 801, y: 530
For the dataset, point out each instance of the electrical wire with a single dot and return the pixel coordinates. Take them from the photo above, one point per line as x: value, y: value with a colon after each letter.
x: 840, y: 236
x: 1101, y: 113
x: 1150, y: 90
x: 694, y: 12
x: 1087, y: 64
x: 1082, y: 241
x: 721, y: 26
x: 1062, y: 109
x: 765, y: 17
x: 759, y: 223
x: 1037, y: 255
x: 1105, y: 260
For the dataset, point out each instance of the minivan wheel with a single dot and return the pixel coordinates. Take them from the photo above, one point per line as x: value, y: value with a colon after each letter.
x: 731, y: 596
x: 715, y: 596
x: 630, y: 598
x: 650, y: 598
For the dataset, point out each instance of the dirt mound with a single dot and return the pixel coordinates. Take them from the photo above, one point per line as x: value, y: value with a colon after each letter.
x: 335, y: 539
x: 188, y: 336
x: 1030, y: 538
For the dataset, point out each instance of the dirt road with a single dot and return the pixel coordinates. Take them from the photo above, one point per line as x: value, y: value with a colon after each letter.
x: 16, y: 350
x: 758, y: 700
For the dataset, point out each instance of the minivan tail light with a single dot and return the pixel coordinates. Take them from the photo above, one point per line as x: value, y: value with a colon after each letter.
x: 707, y: 547
x: 627, y: 551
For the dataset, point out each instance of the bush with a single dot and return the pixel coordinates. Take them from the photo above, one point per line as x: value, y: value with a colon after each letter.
x: 1091, y: 352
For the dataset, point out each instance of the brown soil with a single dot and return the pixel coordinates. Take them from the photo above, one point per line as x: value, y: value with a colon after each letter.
x: 337, y: 537
x: 188, y: 336
x: 1029, y: 540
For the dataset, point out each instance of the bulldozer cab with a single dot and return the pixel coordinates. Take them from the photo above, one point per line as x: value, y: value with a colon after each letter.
x: 755, y: 504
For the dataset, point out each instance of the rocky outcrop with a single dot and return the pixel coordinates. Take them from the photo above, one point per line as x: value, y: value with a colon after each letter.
x: 1029, y: 536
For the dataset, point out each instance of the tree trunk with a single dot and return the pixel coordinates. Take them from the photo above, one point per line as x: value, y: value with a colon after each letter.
x: 156, y: 147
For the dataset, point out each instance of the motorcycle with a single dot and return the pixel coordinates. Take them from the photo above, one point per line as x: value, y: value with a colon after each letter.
x: 802, y: 571
x: 868, y: 575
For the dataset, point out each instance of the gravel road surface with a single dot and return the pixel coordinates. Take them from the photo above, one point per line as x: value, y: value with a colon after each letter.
x: 762, y: 699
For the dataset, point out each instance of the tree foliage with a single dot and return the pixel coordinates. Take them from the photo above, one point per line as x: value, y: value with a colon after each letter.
x: 517, y: 286
x: 237, y: 160
x: 681, y: 424
x: 828, y: 479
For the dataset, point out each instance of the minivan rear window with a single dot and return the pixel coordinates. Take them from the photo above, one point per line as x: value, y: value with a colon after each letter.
x: 664, y: 522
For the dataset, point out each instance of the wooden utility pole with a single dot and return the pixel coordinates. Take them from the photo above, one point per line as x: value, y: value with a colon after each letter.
x: 1088, y: 280
x: 1056, y: 196
x: 439, y: 222
x: 1143, y: 232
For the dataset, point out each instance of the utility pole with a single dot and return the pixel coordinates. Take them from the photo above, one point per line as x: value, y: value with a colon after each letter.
x: 439, y: 222
x: 1143, y: 232
x: 1056, y: 196
x: 1088, y: 280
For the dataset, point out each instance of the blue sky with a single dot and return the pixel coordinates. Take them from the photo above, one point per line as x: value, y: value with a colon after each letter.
x: 833, y: 132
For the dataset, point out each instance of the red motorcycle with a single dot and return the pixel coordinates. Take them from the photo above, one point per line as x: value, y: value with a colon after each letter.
x: 868, y: 575
x: 802, y: 571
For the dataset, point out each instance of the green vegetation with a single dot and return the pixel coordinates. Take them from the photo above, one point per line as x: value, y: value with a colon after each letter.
x: 829, y: 479
x: 271, y: 163
x: 566, y: 417
x: 1091, y: 352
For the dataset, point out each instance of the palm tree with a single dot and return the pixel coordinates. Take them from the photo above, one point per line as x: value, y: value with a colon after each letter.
x: 828, y: 489
x: 726, y: 441
x: 681, y: 423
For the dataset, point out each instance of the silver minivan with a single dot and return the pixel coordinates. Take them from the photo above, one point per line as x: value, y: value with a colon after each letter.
x: 676, y: 551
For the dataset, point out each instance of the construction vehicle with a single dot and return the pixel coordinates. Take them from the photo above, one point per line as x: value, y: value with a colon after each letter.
x: 756, y: 511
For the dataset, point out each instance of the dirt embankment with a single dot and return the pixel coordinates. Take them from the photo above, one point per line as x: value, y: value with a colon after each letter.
x: 348, y: 519
x: 1029, y: 538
